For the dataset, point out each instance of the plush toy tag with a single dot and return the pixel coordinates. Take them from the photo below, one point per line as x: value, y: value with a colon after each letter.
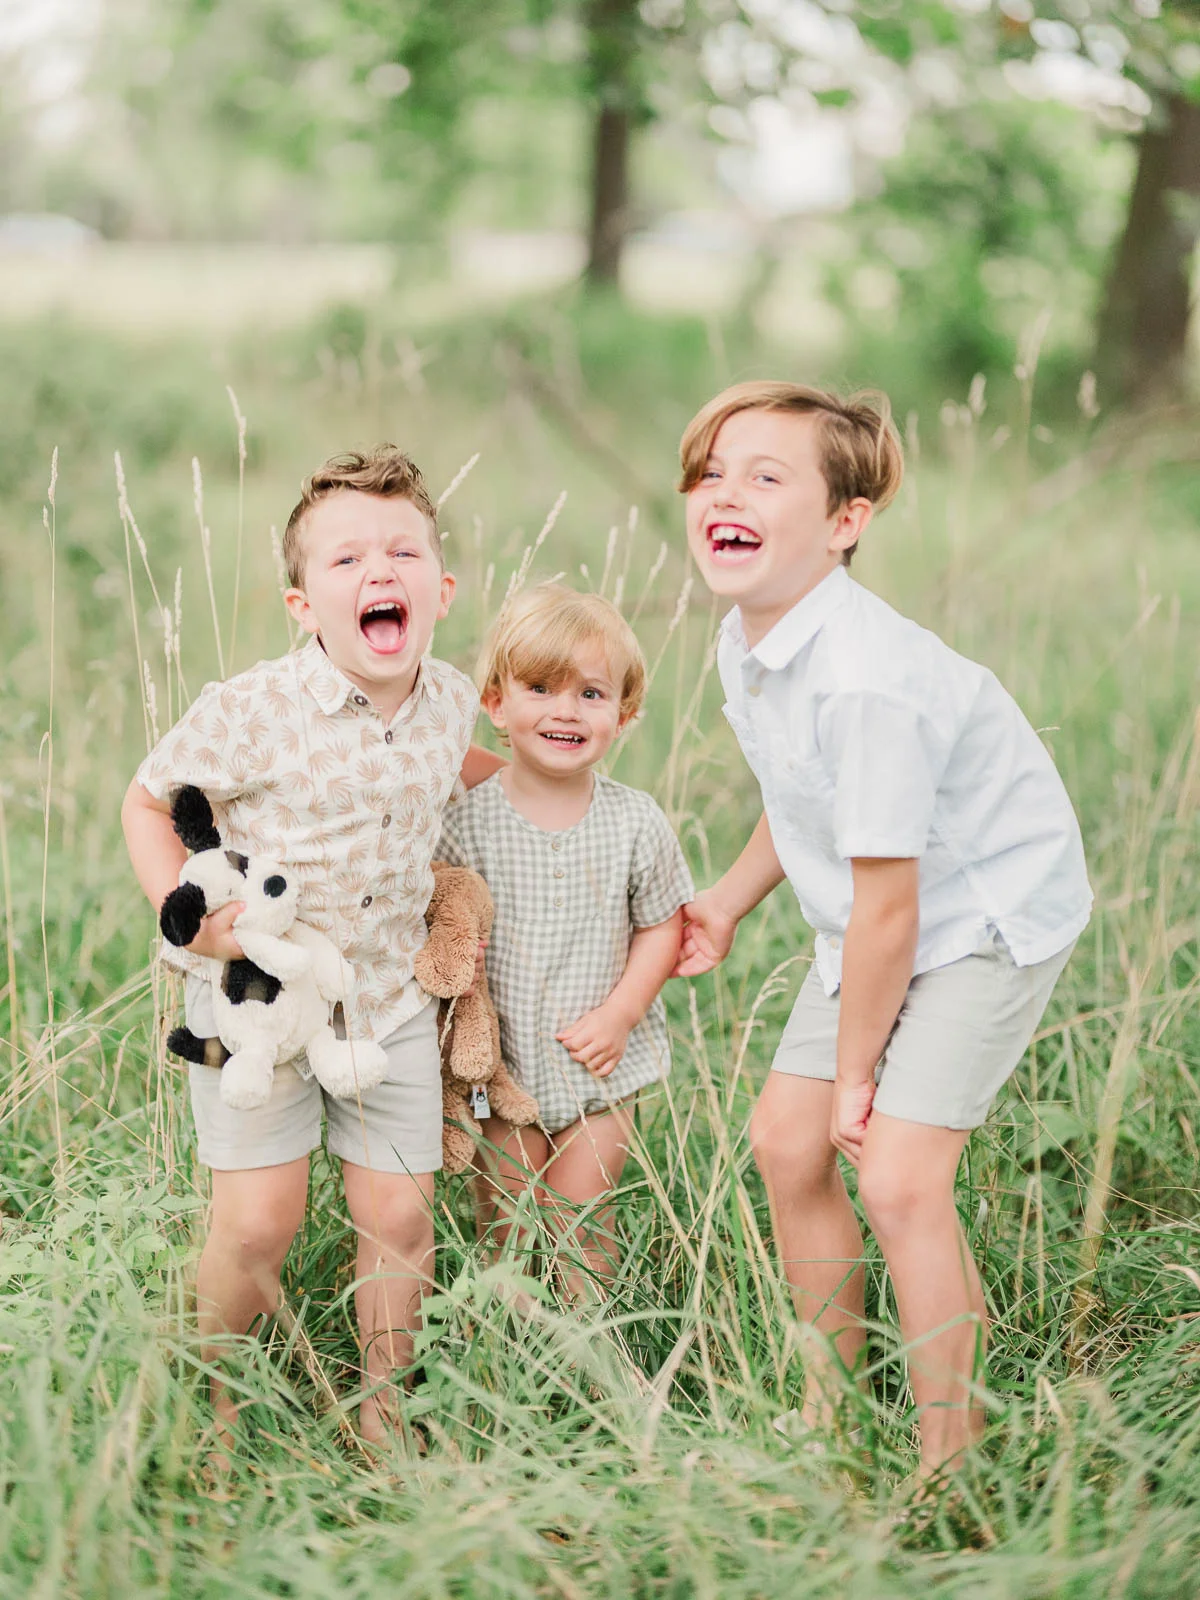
x: 478, y: 1102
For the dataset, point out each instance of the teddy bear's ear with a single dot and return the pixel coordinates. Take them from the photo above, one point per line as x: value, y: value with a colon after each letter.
x: 193, y: 819
x: 181, y: 914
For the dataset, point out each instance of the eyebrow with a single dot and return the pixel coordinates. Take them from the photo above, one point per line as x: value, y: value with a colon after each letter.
x: 755, y: 461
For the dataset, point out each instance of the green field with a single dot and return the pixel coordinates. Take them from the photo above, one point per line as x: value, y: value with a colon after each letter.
x: 631, y: 1454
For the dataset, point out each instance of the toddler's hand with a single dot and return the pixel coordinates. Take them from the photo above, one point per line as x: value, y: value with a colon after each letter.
x: 707, y: 937
x: 848, y: 1122
x: 597, y: 1041
x: 480, y: 966
x: 216, y: 937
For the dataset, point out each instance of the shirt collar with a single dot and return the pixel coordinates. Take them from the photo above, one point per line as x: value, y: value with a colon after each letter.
x: 331, y: 688
x: 779, y: 647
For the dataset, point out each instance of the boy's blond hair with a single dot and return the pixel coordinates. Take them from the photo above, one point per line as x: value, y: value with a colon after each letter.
x: 385, y: 471
x: 860, y: 451
x: 538, y: 633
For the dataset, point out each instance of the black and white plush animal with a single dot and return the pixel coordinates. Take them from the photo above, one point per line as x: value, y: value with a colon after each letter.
x: 275, y: 1004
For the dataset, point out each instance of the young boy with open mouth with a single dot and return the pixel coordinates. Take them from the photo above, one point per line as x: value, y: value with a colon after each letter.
x: 932, y: 847
x: 336, y: 761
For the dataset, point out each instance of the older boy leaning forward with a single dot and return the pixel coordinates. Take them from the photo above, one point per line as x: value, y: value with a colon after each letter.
x: 932, y: 847
x: 337, y: 761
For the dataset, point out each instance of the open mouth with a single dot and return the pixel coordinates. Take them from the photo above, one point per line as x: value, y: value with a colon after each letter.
x: 728, y: 540
x: 570, y: 741
x: 384, y: 626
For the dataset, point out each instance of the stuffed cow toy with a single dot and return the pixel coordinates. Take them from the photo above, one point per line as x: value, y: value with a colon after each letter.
x: 276, y: 1003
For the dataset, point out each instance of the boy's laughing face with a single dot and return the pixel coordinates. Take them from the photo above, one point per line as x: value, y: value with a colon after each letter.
x: 372, y: 590
x: 758, y: 519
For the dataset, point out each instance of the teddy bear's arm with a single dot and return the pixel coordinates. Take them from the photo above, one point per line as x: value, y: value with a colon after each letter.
x: 332, y: 974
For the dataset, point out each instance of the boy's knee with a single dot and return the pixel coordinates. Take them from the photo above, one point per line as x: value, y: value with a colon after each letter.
x: 400, y: 1224
x: 264, y: 1240
x: 894, y: 1199
x: 787, y: 1155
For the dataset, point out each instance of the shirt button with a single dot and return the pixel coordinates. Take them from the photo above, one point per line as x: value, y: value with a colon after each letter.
x: 558, y: 900
x: 835, y: 944
x: 366, y: 900
x: 387, y: 738
x: 559, y: 872
x: 754, y: 689
x: 556, y: 844
x: 360, y: 699
x: 387, y: 821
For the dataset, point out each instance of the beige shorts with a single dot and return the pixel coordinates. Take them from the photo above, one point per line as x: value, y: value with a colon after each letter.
x: 961, y: 1032
x: 397, y: 1129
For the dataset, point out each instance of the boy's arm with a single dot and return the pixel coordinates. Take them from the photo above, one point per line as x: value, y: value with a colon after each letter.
x: 711, y: 919
x: 157, y: 854
x: 877, y: 963
x: 597, y: 1040
x: 479, y: 764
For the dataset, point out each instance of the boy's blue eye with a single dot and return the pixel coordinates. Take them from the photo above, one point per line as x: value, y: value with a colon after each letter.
x: 537, y: 688
x: 344, y: 561
x: 593, y: 694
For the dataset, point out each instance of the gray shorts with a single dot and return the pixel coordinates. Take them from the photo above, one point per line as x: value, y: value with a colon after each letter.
x: 397, y: 1127
x: 961, y: 1032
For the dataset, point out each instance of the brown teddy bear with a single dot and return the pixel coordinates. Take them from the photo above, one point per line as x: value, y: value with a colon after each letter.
x: 475, y: 1081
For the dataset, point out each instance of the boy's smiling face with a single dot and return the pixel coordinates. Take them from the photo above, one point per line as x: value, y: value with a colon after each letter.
x: 758, y: 519
x: 559, y: 730
x: 373, y: 588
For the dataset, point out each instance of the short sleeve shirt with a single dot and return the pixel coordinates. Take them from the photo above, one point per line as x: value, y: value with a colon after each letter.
x: 870, y: 737
x: 301, y: 768
x: 567, y: 905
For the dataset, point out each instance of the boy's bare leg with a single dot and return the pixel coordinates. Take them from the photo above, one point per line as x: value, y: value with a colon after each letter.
x: 906, y: 1181
x: 588, y: 1159
x: 393, y: 1216
x: 506, y: 1168
x: 816, y: 1232
x: 255, y: 1216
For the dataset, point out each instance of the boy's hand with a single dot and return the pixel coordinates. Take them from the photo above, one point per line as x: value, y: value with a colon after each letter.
x: 848, y: 1122
x: 597, y: 1041
x: 480, y: 967
x: 216, y: 937
x: 707, y: 937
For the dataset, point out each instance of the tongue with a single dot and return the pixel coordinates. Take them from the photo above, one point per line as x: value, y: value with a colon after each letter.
x: 383, y: 630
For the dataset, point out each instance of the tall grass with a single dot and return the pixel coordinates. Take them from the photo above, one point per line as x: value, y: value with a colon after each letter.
x: 627, y: 1451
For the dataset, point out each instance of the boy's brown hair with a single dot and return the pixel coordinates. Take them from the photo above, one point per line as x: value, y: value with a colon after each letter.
x: 536, y: 635
x: 385, y: 471
x: 860, y: 450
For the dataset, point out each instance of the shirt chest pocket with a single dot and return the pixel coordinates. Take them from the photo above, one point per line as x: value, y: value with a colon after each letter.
x: 802, y: 798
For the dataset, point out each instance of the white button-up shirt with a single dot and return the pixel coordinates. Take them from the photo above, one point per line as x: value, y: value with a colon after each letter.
x: 301, y: 768
x: 869, y: 736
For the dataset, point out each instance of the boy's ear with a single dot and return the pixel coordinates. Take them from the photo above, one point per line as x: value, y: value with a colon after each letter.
x: 299, y: 609
x: 449, y: 584
x: 850, y: 523
x: 493, y: 703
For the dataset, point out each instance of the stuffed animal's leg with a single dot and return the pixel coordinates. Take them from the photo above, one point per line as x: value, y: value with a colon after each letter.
x: 508, y: 1100
x: 332, y: 974
x: 247, y: 1076
x: 188, y: 1046
x: 280, y: 957
x: 346, y: 1067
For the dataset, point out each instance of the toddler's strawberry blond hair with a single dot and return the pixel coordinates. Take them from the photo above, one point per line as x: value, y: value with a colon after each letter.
x: 860, y: 450
x: 539, y: 633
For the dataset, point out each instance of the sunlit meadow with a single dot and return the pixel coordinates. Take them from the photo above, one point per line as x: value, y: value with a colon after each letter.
x: 627, y: 1452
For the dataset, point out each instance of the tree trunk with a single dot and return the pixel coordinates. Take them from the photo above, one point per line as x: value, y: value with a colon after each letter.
x: 1143, y: 323
x: 612, y: 55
